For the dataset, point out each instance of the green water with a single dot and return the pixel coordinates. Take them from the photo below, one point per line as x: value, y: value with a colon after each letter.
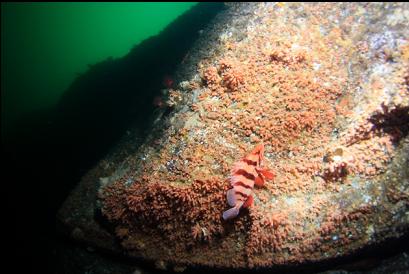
x: 44, y: 46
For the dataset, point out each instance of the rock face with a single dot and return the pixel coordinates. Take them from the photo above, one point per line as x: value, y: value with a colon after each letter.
x: 323, y: 86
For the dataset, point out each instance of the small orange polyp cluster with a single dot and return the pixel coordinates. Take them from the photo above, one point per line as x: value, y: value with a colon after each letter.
x: 227, y: 77
x: 232, y: 79
x: 232, y: 75
x: 211, y: 77
x: 288, y: 57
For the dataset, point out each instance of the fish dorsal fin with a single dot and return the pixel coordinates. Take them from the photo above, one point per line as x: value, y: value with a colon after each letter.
x: 231, y: 213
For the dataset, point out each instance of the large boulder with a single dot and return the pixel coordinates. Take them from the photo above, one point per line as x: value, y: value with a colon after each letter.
x: 323, y: 86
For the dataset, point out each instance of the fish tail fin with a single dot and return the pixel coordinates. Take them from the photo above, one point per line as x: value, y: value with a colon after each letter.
x: 231, y: 213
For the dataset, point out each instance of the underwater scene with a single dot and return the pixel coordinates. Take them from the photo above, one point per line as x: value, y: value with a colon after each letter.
x: 207, y: 137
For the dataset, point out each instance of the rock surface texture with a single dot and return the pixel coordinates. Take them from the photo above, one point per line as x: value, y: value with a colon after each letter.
x: 323, y: 86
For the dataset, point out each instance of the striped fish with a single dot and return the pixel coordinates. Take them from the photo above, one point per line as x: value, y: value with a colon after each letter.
x: 245, y: 174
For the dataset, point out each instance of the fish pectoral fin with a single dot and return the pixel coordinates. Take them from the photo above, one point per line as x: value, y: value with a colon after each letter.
x: 259, y: 181
x: 231, y: 213
x: 249, y: 202
x: 268, y: 174
x: 231, y: 198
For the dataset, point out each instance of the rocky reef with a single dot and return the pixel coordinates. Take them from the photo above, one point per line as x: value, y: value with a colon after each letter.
x: 323, y: 86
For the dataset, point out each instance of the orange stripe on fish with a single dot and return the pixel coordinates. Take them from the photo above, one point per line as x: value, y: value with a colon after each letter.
x: 244, y: 175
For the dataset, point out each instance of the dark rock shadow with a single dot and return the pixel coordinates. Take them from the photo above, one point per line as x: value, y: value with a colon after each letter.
x: 50, y: 150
